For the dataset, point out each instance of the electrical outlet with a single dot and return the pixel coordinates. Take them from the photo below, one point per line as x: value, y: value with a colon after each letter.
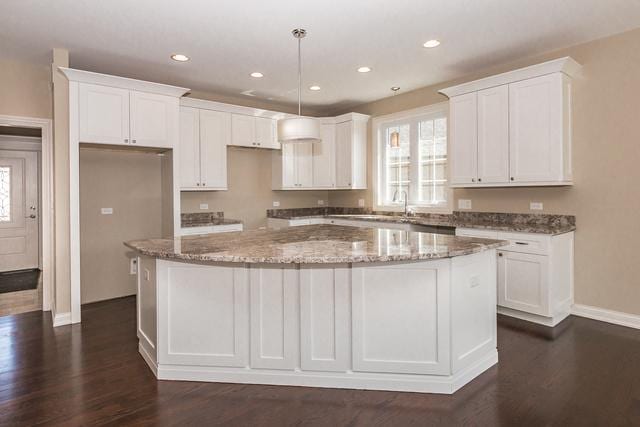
x: 320, y: 202
x: 464, y: 204
x: 361, y: 203
x: 106, y: 211
x: 276, y: 204
x: 536, y: 206
x: 204, y: 206
x: 133, y: 266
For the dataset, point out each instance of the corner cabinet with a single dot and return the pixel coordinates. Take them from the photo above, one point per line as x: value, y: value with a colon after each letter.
x: 513, y: 129
x: 204, y: 136
x: 338, y: 162
x: 116, y: 116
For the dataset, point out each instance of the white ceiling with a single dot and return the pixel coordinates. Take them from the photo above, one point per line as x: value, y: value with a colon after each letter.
x: 227, y: 40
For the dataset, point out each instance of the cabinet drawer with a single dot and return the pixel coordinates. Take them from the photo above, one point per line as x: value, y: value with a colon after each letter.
x: 474, y: 232
x: 525, y: 243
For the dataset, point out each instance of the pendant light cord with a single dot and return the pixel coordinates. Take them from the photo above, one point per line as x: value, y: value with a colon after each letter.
x: 299, y: 78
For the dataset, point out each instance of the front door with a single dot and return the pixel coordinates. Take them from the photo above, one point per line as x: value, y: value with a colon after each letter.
x: 19, y: 232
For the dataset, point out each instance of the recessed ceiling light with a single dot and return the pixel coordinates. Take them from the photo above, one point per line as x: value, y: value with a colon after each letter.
x: 257, y: 75
x: 179, y: 57
x: 315, y: 87
x: 364, y: 69
x: 432, y: 43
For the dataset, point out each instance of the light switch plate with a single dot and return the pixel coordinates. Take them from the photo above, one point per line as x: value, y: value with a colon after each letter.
x: 133, y: 266
x: 536, y: 206
x: 204, y: 206
x: 320, y: 202
x: 361, y: 203
x: 464, y: 204
x: 276, y: 204
x: 106, y: 211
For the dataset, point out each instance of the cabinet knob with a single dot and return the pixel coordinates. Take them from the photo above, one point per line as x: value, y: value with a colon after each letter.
x: 204, y: 183
x: 473, y: 180
x: 500, y: 254
x: 198, y: 184
x: 512, y: 179
x: 479, y: 179
x: 126, y: 140
x: 253, y: 143
x: 133, y: 140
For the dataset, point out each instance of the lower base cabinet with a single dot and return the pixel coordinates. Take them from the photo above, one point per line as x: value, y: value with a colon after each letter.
x: 523, y: 282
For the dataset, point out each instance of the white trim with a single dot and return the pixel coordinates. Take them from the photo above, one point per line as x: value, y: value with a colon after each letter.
x: 609, y: 316
x: 46, y: 188
x: 377, y: 122
x: 149, y: 359
x: 516, y: 184
x: 61, y: 319
x: 566, y: 65
x: 234, y: 109
x: 82, y: 76
x: 534, y: 318
x: 445, y: 384
x: 74, y: 201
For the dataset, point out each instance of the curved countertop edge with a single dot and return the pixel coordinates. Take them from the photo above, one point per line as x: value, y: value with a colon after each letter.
x: 477, y: 247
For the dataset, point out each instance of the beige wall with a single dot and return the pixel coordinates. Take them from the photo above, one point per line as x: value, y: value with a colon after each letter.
x: 25, y: 89
x: 130, y: 183
x: 606, y: 152
x: 249, y: 194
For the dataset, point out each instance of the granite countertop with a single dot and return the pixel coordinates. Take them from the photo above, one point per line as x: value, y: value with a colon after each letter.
x: 313, y: 244
x: 509, y: 222
x: 205, y: 219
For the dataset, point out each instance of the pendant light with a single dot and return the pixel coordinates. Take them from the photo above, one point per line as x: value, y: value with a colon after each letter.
x: 394, y: 138
x: 299, y: 129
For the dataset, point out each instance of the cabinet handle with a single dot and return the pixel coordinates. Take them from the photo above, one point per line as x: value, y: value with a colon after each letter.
x: 133, y: 140
x: 126, y: 140
x: 522, y: 243
x: 473, y: 180
x: 258, y: 143
x: 499, y: 253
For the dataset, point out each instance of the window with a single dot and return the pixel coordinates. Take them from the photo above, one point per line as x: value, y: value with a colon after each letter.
x: 5, y: 193
x: 412, y: 159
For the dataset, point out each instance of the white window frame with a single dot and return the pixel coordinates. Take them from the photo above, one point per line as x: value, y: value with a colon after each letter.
x: 378, y: 123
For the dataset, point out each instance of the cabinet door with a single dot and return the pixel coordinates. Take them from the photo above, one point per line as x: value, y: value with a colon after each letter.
x: 266, y: 133
x: 153, y: 119
x: 243, y: 130
x: 189, y: 147
x: 304, y: 164
x: 523, y: 282
x: 535, y: 126
x: 289, y: 166
x: 463, y: 146
x: 215, y: 135
x: 104, y: 114
x: 343, y: 152
x: 493, y: 135
x: 323, y: 155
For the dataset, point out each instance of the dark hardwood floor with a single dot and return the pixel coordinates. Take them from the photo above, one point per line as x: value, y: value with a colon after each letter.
x: 582, y: 373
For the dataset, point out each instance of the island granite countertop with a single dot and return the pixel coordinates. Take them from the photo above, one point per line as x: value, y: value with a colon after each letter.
x: 313, y: 244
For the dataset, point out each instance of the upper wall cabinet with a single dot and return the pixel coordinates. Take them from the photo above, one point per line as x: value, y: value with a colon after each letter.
x: 111, y: 115
x: 513, y: 129
x: 255, y: 132
x: 204, y: 136
x: 339, y: 161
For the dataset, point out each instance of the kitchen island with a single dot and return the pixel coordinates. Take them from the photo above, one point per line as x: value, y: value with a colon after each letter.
x: 319, y: 305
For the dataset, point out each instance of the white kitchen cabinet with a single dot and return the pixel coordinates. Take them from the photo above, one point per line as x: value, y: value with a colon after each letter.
x: 539, y: 127
x: 103, y: 114
x: 255, y: 132
x: 513, y: 129
x: 535, y: 274
x: 493, y: 135
x: 324, y: 167
x: 204, y: 136
x: 109, y: 115
x: 523, y: 282
x: 153, y: 119
x: 351, y: 152
x: 295, y: 164
x: 463, y: 143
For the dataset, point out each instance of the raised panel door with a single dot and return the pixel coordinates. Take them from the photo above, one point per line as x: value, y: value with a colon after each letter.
x: 463, y: 144
x: 523, y: 282
x: 189, y: 148
x: 103, y: 114
x: 493, y: 135
x: 215, y: 135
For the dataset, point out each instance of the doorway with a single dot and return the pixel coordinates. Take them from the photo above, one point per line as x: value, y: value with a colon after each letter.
x: 20, y: 227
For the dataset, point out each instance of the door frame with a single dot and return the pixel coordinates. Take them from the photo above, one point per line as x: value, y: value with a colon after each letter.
x: 46, y: 189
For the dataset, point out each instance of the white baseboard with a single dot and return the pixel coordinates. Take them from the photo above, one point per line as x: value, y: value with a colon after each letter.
x: 609, y: 316
x: 61, y: 319
x: 540, y: 320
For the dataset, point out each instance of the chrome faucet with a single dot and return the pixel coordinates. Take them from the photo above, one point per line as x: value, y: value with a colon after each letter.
x: 395, y: 199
